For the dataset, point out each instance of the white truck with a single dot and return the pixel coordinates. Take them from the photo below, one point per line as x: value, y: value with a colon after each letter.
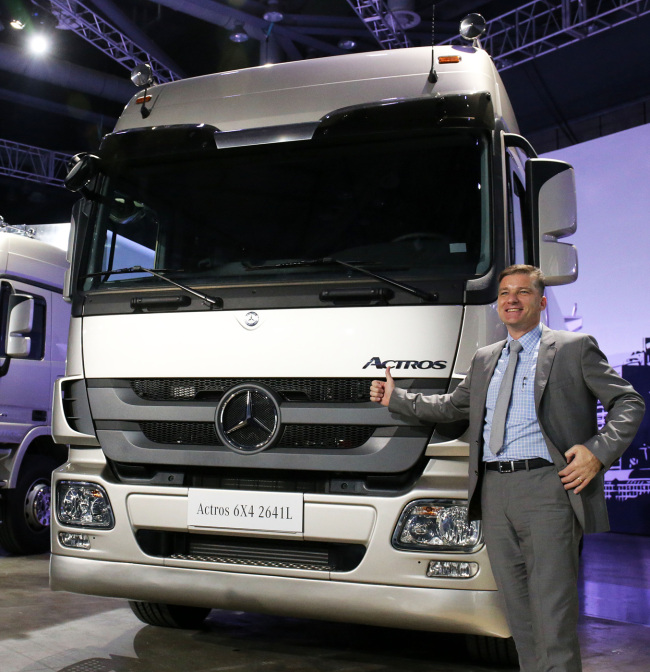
x: 33, y: 340
x: 251, y: 249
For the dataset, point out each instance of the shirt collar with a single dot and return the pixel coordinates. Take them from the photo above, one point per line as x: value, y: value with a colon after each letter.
x: 528, y: 340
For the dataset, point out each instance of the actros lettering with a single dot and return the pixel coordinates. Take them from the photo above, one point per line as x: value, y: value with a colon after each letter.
x: 406, y: 363
x: 211, y: 510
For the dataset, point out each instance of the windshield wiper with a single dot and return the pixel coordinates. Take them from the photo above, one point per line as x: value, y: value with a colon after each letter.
x: 211, y: 301
x: 331, y: 261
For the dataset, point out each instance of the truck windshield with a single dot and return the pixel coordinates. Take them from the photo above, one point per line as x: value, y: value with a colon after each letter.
x: 414, y: 208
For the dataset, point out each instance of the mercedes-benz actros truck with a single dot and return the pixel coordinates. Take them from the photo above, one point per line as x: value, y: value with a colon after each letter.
x: 251, y: 249
x: 33, y: 339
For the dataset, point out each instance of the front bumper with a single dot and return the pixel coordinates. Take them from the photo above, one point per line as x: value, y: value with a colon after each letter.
x: 429, y: 609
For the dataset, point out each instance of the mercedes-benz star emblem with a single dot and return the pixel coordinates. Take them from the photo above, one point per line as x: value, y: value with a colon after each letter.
x: 248, y: 418
x: 251, y: 318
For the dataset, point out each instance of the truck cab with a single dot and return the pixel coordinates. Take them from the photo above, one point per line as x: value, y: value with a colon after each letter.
x: 33, y: 341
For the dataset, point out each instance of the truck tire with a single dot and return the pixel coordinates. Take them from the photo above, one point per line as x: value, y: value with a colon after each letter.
x: 492, y: 650
x: 26, y: 512
x: 170, y: 615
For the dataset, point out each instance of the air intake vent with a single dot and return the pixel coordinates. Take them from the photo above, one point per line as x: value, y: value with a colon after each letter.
x: 341, y: 390
x: 287, y: 554
x: 293, y: 436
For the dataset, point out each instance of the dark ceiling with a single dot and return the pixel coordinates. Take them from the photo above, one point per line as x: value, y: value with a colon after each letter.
x: 67, y: 101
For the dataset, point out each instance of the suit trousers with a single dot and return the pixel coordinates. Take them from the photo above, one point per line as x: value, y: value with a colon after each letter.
x: 532, y: 537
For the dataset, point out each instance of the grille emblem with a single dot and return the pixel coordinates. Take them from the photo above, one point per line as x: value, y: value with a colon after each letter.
x: 251, y: 318
x: 248, y: 418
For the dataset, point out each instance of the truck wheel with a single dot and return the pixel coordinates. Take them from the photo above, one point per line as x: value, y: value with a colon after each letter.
x: 170, y: 615
x: 492, y: 650
x: 25, y: 524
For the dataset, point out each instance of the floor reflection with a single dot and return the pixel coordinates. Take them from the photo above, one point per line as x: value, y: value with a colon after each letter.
x: 249, y: 642
x: 615, y: 577
x: 44, y: 631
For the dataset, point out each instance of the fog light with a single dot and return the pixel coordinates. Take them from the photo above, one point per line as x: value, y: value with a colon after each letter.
x: 452, y: 570
x: 83, y: 505
x: 73, y: 540
x: 429, y: 523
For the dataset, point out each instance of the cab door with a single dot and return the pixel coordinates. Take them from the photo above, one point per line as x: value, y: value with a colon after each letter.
x: 25, y: 381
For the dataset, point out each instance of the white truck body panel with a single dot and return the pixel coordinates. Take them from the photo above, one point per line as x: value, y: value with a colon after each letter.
x: 283, y: 343
x: 289, y: 93
x: 31, y: 260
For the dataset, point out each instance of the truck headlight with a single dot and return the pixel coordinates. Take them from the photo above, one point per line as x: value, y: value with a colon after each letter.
x: 83, y: 505
x: 440, y: 525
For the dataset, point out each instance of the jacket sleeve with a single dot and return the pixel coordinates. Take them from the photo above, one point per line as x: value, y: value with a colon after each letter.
x: 624, y: 406
x: 433, y: 408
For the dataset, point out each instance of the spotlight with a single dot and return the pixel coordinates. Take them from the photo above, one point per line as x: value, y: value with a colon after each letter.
x: 39, y: 44
x: 347, y: 43
x: 402, y: 15
x: 238, y: 34
x: 16, y: 24
x: 273, y: 13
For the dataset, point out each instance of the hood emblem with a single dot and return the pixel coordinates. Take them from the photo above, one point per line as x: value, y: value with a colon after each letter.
x: 247, y: 419
x: 251, y: 319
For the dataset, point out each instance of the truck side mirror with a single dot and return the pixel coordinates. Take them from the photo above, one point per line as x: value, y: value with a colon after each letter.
x: 552, y: 207
x: 84, y: 167
x: 20, y: 325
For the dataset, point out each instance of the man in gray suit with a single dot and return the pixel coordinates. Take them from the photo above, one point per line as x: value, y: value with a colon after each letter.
x: 536, y: 462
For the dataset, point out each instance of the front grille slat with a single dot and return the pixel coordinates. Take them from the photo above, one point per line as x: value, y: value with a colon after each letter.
x: 334, y: 390
x: 293, y: 436
x: 185, y: 433
x: 229, y: 560
x: 325, y: 436
x: 294, y: 555
x: 255, y: 552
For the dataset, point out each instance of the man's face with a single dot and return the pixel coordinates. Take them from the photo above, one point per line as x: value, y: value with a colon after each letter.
x: 519, y: 304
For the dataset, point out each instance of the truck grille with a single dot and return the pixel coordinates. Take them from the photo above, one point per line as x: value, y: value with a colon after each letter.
x: 293, y: 436
x: 287, y: 554
x: 342, y: 390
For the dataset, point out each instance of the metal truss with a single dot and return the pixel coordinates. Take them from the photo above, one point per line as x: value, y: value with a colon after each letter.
x: 543, y: 26
x: 81, y: 20
x: 25, y: 162
x: 381, y: 22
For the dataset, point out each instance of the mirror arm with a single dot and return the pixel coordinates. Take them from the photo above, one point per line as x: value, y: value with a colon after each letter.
x: 518, y: 141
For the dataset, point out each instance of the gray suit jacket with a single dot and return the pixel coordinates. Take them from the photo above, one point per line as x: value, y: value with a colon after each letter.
x: 572, y: 373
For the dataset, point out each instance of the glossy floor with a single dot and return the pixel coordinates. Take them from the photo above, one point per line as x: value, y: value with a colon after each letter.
x: 44, y: 631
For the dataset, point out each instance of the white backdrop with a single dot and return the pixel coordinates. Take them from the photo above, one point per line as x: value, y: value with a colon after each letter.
x: 613, y: 240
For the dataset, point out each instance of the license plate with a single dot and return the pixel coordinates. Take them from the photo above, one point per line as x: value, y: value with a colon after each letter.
x: 245, y: 510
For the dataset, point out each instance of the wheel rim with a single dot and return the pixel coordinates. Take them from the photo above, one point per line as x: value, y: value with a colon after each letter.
x: 37, y: 506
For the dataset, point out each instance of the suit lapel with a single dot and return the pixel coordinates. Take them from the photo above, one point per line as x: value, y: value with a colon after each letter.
x: 487, y: 370
x: 545, y: 359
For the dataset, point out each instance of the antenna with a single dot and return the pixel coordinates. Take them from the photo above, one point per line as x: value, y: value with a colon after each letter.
x: 433, y: 75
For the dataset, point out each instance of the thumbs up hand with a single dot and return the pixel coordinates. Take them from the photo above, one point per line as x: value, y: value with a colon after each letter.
x: 380, y: 391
